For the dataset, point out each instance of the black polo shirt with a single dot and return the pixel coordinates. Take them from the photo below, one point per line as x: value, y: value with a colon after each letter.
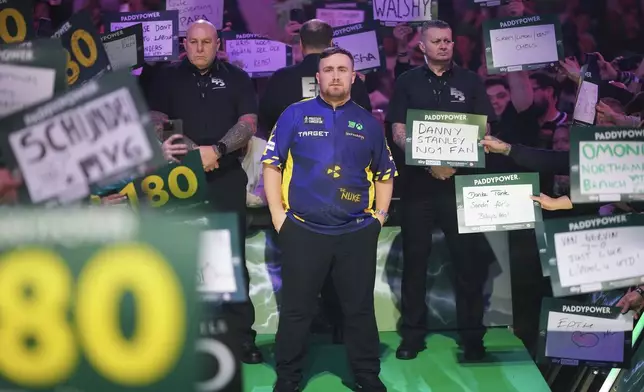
x: 294, y: 83
x: 209, y: 104
x: 458, y: 90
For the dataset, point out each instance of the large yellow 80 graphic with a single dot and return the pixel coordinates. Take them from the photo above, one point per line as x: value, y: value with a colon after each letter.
x: 20, y: 22
x: 80, y: 59
x: 153, y: 187
x: 40, y: 315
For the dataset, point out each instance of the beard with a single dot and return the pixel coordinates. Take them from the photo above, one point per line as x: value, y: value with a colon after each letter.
x: 337, y: 93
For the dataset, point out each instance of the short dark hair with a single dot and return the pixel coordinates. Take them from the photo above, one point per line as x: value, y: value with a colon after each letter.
x: 497, y: 82
x: 434, y: 24
x: 328, y: 52
x: 316, y: 34
x: 545, y: 81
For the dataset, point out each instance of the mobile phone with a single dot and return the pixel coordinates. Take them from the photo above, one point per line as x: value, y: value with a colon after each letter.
x: 629, y: 63
x: 172, y: 127
x: 592, y: 60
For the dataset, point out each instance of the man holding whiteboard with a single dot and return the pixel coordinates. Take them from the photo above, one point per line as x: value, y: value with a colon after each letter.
x: 429, y: 195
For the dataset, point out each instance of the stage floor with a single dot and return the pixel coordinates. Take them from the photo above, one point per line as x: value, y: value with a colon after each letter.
x: 437, y: 369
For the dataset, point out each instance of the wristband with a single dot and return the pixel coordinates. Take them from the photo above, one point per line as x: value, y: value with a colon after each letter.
x: 382, y: 213
x: 640, y: 291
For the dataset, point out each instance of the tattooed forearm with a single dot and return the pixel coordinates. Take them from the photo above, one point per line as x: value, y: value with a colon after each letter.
x: 399, y: 135
x: 239, y: 135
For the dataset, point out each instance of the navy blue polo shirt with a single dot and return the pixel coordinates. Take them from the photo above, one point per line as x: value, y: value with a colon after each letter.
x: 330, y: 160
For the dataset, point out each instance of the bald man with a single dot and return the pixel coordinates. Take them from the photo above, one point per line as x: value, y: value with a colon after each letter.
x: 218, y: 106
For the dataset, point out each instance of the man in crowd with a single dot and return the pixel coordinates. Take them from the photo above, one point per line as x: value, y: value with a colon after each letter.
x: 325, y: 162
x: 430, y: 197
x: 217, y: 104
x: 292, y: 84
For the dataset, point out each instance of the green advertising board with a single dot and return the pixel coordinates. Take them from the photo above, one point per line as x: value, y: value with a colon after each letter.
x: 579, y: 334
x: 523, y: 43
x: 606, y: 164
x: 176, y: 186
x: 97, y: 299
x: 16, y: 18
x: 590, y: 254
x: 497, y: 202
x: 444, y: 139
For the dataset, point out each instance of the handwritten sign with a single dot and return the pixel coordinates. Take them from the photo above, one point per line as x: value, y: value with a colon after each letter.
x: 581, y: 334
x: 95, y: 274
x: 587, y: 97
x: 444, y: 139
x: 95, y: 133
x: 256, y: 54
x: 606, y: 164
x: 594, y: 253
x: 30, y: 72
x: 392, y: 12
x: 494, y: 202
x: 125, y: 47
x: 160, y: 31
x: 16, y: 18
x: 86, y: 57
x: 191, y: 11
x: 363, y: 42
x: 523, y: 43
x: 337, y: 17
x: 173, y: 187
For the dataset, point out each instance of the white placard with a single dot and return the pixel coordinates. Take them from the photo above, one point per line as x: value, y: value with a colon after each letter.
x: 498, y: 205
x: 157, y: 36
x: 601, y: 255
x: 441, y: 141
x: 399, y: 11
x: 257, y: 55
x: 216, y: 270
x: 83, y: 145
x: 364, y: 48
x: 570, y: 322
x: 122, y: 52
x: 23, y: 85
x: 192, y: 10
x: 611, y: 167
x: 337, y: 17
x: 524, y: 45
x: 585, y: 107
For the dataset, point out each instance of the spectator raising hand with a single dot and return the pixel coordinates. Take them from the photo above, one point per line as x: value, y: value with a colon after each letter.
x: 606, y: 69
x: 633, y: 300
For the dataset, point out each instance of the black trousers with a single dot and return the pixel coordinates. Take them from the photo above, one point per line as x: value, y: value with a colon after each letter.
x: 307, y: 257
x: 470, y: 255
x: 227, y: 193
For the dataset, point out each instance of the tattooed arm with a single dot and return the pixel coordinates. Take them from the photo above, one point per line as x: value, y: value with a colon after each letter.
x: 239, y: 135
x: 399, y: 135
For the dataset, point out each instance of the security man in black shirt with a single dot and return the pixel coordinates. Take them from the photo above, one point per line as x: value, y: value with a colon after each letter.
x: 296, y: 82
x: 218, y: 106
x: 292, y: 84
x: 428, y: 196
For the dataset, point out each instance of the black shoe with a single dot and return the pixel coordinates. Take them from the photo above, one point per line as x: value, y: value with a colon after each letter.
x: 474, y: 352
x: 369, y: 383
x: 338, y: 334
x: 407, y: 351
x: 286, y: 386
x: 251, y: 355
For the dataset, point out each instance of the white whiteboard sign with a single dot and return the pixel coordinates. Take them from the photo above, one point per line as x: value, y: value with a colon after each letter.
x: 439, y: 141
x: 364, y: 47
x: 216, y: 271
x: 193, y: 10
x: 122, y: 52
x: 414, y: 11
x: 257, y: 56
x: 337, y: 17
x: 524, y: 45
x: 157, y: 37
x: 601, y: 255
x: 498, y: 205
x: 22, y: 85
x: 611, y: 167
x: 82, y: 145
